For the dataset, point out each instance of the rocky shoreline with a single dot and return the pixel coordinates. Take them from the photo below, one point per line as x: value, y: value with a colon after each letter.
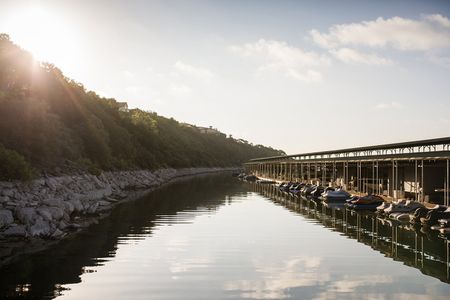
x: 45, y: 210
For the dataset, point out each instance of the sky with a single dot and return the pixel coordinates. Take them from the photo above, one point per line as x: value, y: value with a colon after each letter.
x: 299, y: 76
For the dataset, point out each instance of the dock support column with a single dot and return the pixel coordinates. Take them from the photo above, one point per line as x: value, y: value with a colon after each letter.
x: 396, y: 178
x: 309, y: 172
x: 290, y: 171
x: 377, y: 178
x: 344, y: 175
x: 315, y: 172
x: 334, y: 174
x: 448, y: 183
x: 422, y: 197
x: 373, y: 178
x: 393, y: 181
x: 416, y: 181
x: 358, y: 176
x: 301, y: 172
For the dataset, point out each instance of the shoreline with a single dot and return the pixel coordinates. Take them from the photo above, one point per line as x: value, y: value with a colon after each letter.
x: 56, y: 210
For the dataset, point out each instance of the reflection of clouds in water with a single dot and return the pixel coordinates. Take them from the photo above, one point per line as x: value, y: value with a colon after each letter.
x: 178, y: 247
x: 185, y: 265
x: 274, y: 281
x: 349, y: 284
x: 178, y: 244
x: 380, y: 296
x: 358, y: 287
x: 346, y: 287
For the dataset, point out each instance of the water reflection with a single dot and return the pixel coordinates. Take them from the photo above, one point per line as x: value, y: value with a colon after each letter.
x: 412, y: 245
x: 43, y: 275
x: 218, y: 238
x: 275, y: 280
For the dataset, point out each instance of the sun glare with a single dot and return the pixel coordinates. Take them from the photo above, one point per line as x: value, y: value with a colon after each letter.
x: 48, y: 37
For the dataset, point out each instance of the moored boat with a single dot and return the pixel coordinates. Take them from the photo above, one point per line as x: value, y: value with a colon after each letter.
x: 369, y: 202
x: 336, y: 196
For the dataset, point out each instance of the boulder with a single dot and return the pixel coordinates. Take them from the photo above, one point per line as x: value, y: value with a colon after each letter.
x: 6, y: 217
x: 98, y: 183
x: 68, y: 207
x: 15, y: 230
x: 78, y: 207
x: 104, y: 203
x: 45, y: 213
x: 51, y: 183
x: 57, y: 234
x: 99, y: 194
x: 55, y: 202
x: 62, y: 225
x: 40, y: 228
x: 92, y: 208
x: 8, y: 192
x: 57, y: 213
x: 26, y: 215
x: 4, y: 199
x: 74, y: 196
x: 113, y: 200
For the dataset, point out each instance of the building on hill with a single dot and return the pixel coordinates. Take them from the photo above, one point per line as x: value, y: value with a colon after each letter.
x: 210, y: 130
x: 204, y: 130
x: 123, y: 106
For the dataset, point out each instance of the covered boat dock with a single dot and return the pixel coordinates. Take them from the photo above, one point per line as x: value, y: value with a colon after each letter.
x: 416, y: 170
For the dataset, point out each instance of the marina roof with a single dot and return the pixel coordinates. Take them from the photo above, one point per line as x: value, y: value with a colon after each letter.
x: 445, y: 141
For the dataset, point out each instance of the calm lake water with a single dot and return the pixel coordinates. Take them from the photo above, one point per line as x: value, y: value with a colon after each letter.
x: 218, y: 238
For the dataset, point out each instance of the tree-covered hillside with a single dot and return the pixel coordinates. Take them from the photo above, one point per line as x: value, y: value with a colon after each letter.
x: 51, y: 123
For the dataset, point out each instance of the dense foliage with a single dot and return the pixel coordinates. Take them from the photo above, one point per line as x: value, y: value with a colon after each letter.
x: 52, y: 122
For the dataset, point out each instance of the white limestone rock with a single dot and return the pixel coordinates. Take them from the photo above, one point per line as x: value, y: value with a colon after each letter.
x: 4, y: 199
x: 15, y: 230
x: 92, y: 208
x: 40, y: 228
x: 7, y: 192
x: 6, y: 217
x: 54, y: 202
x: 45, y: 213
x: 51, y: 183
x: 26, y: 215
x: 56, y: 212
x: 77, y: 205
x: 57, y: 234
x: 104, y: 203
x: 68, y: 207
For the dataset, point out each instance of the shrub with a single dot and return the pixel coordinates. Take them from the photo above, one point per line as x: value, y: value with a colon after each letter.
x: 13, y: 165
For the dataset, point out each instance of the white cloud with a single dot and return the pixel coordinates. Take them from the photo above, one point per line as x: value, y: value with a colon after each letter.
x: 279, y: 56
x: 196, y: 72
x: 308, y: 76
x: 132, y: 89
x: 348, y: 55
x: 389, y: 105
x: 439, y: 19
x: 442, y: 61
x: 428, y: 33
x: 179, y: 89
x: 128, y: 74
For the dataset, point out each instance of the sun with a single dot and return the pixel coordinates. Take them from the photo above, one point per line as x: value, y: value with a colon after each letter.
x: 46, y: 35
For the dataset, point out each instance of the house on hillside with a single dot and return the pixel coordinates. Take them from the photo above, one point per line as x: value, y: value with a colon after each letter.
x: 123, y: 106
x: 204, y: 130
x: 210, y: 130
